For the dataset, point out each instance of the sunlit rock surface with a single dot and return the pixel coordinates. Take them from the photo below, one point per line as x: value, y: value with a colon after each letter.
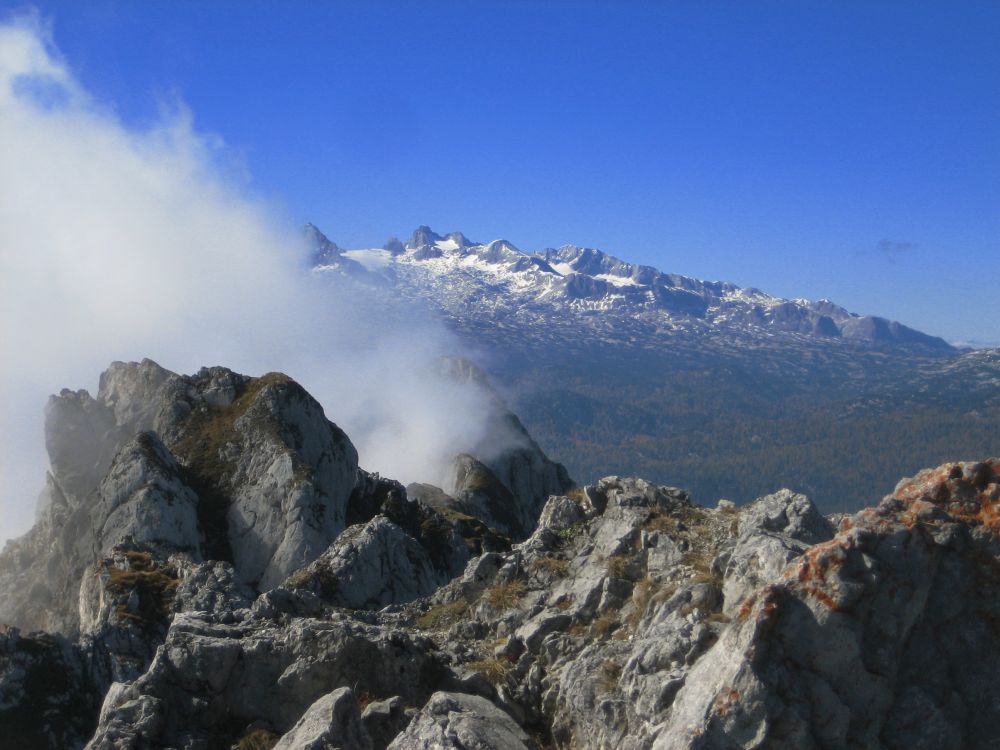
x: 224, y: 575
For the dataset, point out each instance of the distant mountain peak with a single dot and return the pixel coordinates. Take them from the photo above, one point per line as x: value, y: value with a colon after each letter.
x: 549, y: 287
x: 422, y: 236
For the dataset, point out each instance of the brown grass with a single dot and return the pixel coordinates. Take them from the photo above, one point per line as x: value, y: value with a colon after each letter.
x: 707, y: 576
x: 617, y: 566
x: 552, y: 566
x: 642, y: 594
x: 443, y: 615
x: 258, y: 739
x: 718, y: 617
x: 609, y: 673
x: 155, y: 588
x: 605, y: 623
x: 493, y: 669
x: 660, y: 522
x: 504, y: 595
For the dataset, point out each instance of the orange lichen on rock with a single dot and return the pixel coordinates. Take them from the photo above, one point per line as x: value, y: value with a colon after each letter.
x: 726, y: 700
x: 966, y: 491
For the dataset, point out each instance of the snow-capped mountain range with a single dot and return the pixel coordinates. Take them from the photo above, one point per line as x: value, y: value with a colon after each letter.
x: 499, y: 283
x: 620, y: 367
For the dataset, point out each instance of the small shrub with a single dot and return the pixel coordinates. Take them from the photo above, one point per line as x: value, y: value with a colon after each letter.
x: 139, y: 560
x: 155, y: 590
x: 570, y: 532
x: 504, y: 595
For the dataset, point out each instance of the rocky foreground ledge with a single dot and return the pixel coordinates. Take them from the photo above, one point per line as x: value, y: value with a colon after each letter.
x: 215, y: 571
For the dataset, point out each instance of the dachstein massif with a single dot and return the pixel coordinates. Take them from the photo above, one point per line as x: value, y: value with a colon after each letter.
x: 213, y: 569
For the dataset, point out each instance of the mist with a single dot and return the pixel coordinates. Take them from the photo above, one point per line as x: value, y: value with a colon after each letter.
x: 119, y: 243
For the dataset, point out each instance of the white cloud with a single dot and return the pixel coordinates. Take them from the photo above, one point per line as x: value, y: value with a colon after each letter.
x: 118, y: 244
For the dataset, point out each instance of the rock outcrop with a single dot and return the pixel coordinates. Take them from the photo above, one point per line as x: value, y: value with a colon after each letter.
x: 212, y: 466
x: 224, y: 575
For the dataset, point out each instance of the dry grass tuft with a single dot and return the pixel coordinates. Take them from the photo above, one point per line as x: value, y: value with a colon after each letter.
x: 493, y: 669
x: 258, y: 739
x: 610, y: 672
x: 443, y: 615
x: 553, y: 566
x: 660, y: 522
x: 606, y: 623
x: 617, y: 566
x: 642, y: 595
x: 504, y: 595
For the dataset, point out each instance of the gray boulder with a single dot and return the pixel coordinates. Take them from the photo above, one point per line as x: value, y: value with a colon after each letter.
x: 882, y: 637
x: 773, y: 531
x: 461, y: 722
x: 331, y: 723
x: 214, y: 466
x: 212, y: 683
x: 369, y: 566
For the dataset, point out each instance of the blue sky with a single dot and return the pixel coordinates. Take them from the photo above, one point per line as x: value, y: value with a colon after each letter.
x: 848, y: 150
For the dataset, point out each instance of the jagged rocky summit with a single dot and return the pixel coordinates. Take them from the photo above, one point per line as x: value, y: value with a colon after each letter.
x: 213, y: 570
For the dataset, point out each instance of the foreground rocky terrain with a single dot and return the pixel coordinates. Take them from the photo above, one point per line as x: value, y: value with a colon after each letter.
x: 213, y: 570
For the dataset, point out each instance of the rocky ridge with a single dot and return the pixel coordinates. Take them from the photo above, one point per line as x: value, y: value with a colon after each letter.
x: 372, y: 615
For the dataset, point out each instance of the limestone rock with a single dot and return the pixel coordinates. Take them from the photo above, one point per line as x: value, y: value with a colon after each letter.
x: 143, y: 498
x: 212, y: 466
x: 461, y: 722
x: 369, y: 566
x: 889, y: 618
x: 385, y: 719
x: 213, y: 682
x: 331, y: 723
x: 773, y: 531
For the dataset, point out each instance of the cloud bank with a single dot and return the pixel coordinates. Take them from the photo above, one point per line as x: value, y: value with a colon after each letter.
x: 119, y: 244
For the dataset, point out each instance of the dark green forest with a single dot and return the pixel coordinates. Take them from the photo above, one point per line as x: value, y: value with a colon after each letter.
x: 735, y: 432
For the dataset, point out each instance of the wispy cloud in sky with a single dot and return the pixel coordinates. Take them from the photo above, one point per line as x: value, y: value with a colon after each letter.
x: 118, y: 244
x: 893, y: 250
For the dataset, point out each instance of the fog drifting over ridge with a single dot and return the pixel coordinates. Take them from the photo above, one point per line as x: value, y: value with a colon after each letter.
x: 119, y: 244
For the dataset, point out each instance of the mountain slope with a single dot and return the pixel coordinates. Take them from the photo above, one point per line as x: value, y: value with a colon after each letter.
x: 622, y: 367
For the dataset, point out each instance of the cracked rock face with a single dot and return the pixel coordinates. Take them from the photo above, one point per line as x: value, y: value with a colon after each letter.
x: 461, y: 722
x: 212, y: 466
x: 882, y: 637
